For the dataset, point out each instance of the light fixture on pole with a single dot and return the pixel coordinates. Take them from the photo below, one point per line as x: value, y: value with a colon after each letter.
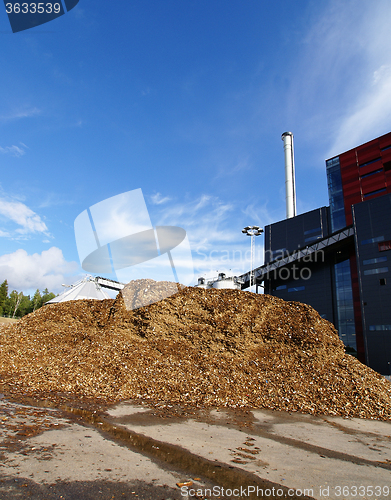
x: 252, y: 231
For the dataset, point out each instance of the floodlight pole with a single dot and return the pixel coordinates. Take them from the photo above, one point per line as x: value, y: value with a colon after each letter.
x: 252, y: 231
x: 252, y: 260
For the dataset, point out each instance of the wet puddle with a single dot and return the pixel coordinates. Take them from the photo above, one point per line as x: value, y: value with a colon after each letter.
x: 168, y: 455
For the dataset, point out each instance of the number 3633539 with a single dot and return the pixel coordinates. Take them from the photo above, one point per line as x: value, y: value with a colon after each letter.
x: 33, y: 8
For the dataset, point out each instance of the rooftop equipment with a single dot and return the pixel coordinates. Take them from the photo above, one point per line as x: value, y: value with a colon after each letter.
x: 202, y: 283
x: 227, y: 282
x: 222, y: 281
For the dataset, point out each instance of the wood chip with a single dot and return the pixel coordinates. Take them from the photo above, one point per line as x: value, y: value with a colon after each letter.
x: 196, y: 348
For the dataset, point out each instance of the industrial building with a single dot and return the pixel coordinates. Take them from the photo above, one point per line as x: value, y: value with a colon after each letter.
x: 337, y: 258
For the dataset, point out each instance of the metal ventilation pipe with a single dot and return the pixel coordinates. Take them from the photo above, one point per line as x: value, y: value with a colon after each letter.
x: 290, y: 188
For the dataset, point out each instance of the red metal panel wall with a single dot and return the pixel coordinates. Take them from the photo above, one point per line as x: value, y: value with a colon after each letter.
x: 370, y: 168
x: 353, y: 185
x: 368, y: 152
x: 388, y: 181
x: 373, y: 183
x: 385, y: 141
x: 386, y: 155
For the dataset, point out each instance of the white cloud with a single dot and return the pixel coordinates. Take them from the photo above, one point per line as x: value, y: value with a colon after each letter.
x: 158, y: 199
x: 54, y: 199
x: 261, y: 214
x: 17, y: 114
x: 214, y: 231
x: 13, y: 151
x: 29, y: 272
x: 22, y: 215
x: 340, y: 93
x: 117, y: 217
x: 203, y: 216
x: 370, y: 116
x: 232, y: 168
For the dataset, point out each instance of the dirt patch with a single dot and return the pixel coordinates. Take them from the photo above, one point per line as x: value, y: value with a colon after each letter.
x: 8, y: 320
x: 197, y: 347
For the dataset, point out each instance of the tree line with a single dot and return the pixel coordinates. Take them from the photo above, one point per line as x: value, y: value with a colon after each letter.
x: 16, y: 304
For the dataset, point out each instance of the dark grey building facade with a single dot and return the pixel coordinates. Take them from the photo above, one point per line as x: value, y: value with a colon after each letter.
x: 322, y: 279
x: 372, y: 227
x: 308, y: 279
x: 337, y: 258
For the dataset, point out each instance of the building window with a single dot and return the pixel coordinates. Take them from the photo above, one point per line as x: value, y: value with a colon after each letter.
x: 379, y: 328
x: 345, y: 312
x: 372, y: 173
x: 296, y: 289
x: 316, y: 230
x: 382, y: 281
x: 374, y: 261
x: 372, y: 240
x: 369, y: 162
x: 372, y: 193
x: 313, y: 238
x: 378, y: 270
x: 281, y: 287
x: 334, y: 183
x: 385, y: 245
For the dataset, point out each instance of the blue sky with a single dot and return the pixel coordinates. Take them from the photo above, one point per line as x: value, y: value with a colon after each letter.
x: 186, y: 100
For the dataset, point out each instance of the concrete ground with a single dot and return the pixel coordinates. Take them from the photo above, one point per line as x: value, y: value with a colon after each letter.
x: 132, y: 451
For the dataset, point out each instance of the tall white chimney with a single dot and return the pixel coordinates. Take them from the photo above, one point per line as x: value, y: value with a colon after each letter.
x: 290, y: 188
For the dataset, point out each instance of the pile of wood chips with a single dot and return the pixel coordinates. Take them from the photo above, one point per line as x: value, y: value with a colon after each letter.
x: 196, y: 348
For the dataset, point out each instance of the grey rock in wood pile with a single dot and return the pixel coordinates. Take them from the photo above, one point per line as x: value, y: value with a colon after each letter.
x: 140, y: 293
